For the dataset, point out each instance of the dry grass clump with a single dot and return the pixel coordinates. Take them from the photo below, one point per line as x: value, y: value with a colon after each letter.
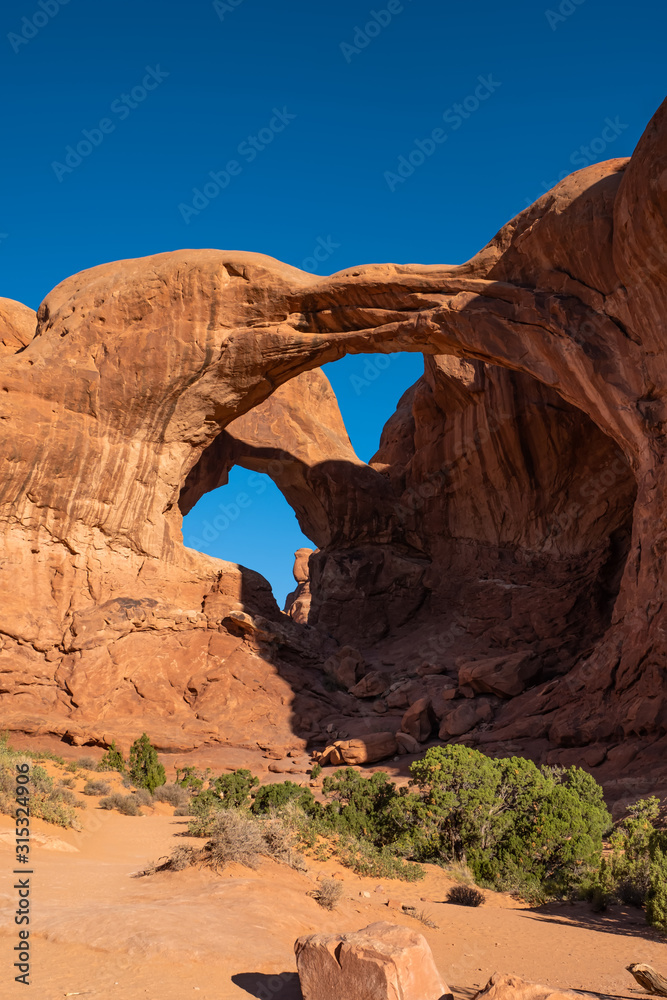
x: 173, y: 794
x: 235, y: 836
x: 421, y: 915
x: 328, y: 893
x: 179, y: 859
x: 465, y: 895
x: 125, y: 804
x: 87, y: 763
x: 96, y: 788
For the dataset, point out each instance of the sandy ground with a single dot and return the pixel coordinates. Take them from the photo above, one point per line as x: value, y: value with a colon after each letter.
x: 99, y: 932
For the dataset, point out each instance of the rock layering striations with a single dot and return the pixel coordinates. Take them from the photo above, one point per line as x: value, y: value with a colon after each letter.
x: 516, y: 511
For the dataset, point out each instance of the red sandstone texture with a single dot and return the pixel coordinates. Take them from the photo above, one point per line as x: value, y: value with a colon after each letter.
x: 502, y: 557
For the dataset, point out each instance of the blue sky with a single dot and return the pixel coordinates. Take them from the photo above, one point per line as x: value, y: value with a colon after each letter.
x: 116, y: 114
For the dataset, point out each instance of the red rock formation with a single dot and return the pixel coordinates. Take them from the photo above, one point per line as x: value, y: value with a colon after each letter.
x: 379, y: 962
x: 17, y: 326
x: 495, y: 518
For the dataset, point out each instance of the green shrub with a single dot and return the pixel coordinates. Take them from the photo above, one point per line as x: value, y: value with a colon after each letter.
x: 373, y: 862
x: 190, y: 778
x: 277, y: 796
x: 234, y: 789
x: 508, y: 815
x: 631, y: 873
x: 112, y: 760
x: 656, y: 902
x: 145, y: 769
x: 228, y: 791
x: 52, y: 804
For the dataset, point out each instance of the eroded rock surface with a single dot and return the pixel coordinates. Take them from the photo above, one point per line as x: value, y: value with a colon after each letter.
x: 517, y: 504
x: 381, y: 962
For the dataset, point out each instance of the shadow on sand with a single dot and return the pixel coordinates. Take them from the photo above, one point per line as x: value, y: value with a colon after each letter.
x: 280, y: 986
x: 624, y: 920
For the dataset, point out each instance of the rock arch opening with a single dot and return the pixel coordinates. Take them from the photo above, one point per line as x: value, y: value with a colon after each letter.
x: 494, y: 517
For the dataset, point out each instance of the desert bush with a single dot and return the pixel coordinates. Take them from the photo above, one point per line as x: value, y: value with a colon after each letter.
x: 86, y: 763
x: 125, y: 804
x: 507, y: 815
x: 228, y: 791
x: 656, y: 903
x: 67, y: 783
x: 373, y: 862
x: 236, y: 836
x: 53, y: 804
x: 146, y: 771
x: 234, y: 789
x: 69, y: 798
x: 636, y: 870
x: 144, y: 797
x: 112, y: 760
x: 178, y: 860
x: 465, y: 895
x: 328, y: 893
x: 277, y: 796
x: 173, y: 794
x: 190, y: 777
x: 40, y: 780
x: 96, y: 788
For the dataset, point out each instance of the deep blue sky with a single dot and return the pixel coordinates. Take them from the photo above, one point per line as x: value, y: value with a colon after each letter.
x: 321, y: 180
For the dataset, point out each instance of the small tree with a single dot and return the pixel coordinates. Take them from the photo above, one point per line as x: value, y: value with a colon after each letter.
x: 145, y: 769
x: 234, y: 788
x: 112, y: 760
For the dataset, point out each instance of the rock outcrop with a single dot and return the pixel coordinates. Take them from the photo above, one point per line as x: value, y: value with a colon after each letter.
x: 516, y: 509
x: 381, y: 962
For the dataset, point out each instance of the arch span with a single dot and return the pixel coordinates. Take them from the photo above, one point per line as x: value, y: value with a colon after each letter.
x: 137, y: 367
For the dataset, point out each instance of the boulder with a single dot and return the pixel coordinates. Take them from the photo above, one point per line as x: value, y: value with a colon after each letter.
x: 367, y: 749
x: 464, y: 718
x: 419, y: 720
x: 501, y: 987
x: 370, y: 686
x: 407, y: 743
x: 345, y: 673
x: 330, y: 755
x: 404, y: 693
x: 427, y: 669
x: 504, y: 676
x: 379, y: 962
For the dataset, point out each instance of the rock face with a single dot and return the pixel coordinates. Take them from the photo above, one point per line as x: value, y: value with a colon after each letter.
x: 17, y: 326
x: 380, y: 962
x: 516, y: 509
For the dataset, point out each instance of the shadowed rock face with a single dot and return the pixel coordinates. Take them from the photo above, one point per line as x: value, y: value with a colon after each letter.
x: 517, y: 501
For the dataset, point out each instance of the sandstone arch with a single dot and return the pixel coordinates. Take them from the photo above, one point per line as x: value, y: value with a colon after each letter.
x: 138, y: 366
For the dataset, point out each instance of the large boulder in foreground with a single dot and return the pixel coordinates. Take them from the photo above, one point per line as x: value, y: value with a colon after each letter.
x: 500, y: 987
x: 380, y: 962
